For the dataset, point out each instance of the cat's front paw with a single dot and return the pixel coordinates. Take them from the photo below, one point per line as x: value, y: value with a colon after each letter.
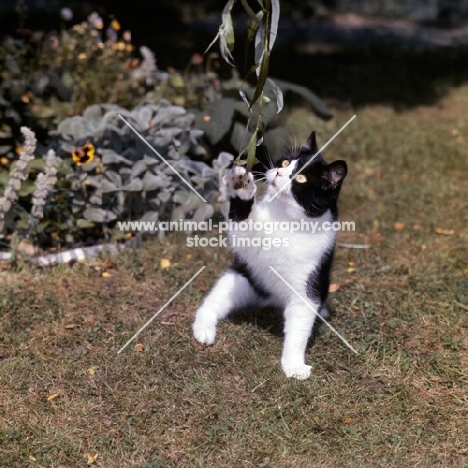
x: 237, y: 186
x: 297, y: 371
x: 204, y: 333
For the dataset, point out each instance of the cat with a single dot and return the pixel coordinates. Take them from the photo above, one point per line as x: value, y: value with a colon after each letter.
x: 304, y: 263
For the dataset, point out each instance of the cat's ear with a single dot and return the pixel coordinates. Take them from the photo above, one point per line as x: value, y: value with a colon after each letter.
x: 333, y: 174
x: 311, y: 143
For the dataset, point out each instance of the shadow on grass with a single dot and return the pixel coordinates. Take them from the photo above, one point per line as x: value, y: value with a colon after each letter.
x: 270, y: 320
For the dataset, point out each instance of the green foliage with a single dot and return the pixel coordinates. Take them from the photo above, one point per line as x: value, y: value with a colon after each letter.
x: 44, y: 78
x: 53, y: 83
x: 265, y: 99
x: 125, y: 180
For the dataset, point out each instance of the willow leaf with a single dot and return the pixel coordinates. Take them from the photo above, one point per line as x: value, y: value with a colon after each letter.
x: 251, y: 152
x: 228, y: 31
x: 276, y: 90
x: 260, y: 45
x: 254, y: 24
x: 275, y: 13
x: 225, y: 34
x: 262, y: 76
x: 254, y: 16
x: 319, y: 107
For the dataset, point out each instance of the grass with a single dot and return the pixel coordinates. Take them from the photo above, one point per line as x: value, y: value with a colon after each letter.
x: 403, y: 304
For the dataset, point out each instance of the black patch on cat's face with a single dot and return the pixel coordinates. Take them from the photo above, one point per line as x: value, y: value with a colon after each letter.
x: 319, y: 192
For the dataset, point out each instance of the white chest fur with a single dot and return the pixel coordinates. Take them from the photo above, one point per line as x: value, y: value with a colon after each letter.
x: 295, y: 255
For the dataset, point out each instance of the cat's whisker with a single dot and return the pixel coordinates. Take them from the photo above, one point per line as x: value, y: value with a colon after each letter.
x: 291, y: 146
x: 269, y: 160
x: 287, y: 145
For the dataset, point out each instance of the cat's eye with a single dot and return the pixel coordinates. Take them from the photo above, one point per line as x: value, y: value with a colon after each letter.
x: 285, y: 163
x: 301, y: 178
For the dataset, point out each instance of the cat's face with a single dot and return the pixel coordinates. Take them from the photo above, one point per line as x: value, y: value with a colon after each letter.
x: 315, y: 189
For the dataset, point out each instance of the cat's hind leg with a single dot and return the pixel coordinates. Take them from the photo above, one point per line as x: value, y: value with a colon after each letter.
x: 232, y: 291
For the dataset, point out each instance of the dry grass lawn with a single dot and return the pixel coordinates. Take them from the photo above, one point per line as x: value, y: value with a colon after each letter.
x: 67, y: 399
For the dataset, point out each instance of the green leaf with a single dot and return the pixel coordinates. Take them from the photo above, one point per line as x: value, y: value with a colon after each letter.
x: 145, y: 114
x: 189, y: 205
x: 10, y: 62
x: 41, y: 226
x: 180, y: 197
x: 226, y: 34
x: 251, y: 151
x: 78, y: 128
x: 37, y: 164
x: 229, y: 32
x: 239, y: 136
x: 107, y: 186
x: 223, y: 160
x: 318, y: 106
x: 98, y: 215
x: 164, y: 196
x: 161, y: 139
x: 151, y: 161
x: 44, y: 112
x: 276, y: 90
x: 111, y: 157
x: 262, y: 76
x: 84, y: 224
x: 153, y: 182
x: 27, y: 188
x: 150, y: 216
x: 220, y: 114
x: 254, y: 24
x: 113, y: 177
x: 135, y: 185
x: 93, y: 114
x: 255, y: 17
x: 67, y: 80
x: 204, y: 211
x: 138, y: 168
x: 274, y: 15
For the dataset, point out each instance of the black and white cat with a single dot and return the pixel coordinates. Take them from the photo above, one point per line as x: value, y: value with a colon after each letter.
x: 305, y: 262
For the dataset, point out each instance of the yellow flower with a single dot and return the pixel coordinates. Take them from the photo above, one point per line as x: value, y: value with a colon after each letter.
x: 115, y: 25
x: 120, y: 46
x: 83, y: 154
x: 165, y: 263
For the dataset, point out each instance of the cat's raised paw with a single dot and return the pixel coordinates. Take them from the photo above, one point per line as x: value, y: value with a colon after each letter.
x: 203, y: 333
x: 237, y: 185
x: 299, y: 372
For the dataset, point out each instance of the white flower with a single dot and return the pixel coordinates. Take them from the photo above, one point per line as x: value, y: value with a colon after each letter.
x: 95, y: 21
x: 66, y: 14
